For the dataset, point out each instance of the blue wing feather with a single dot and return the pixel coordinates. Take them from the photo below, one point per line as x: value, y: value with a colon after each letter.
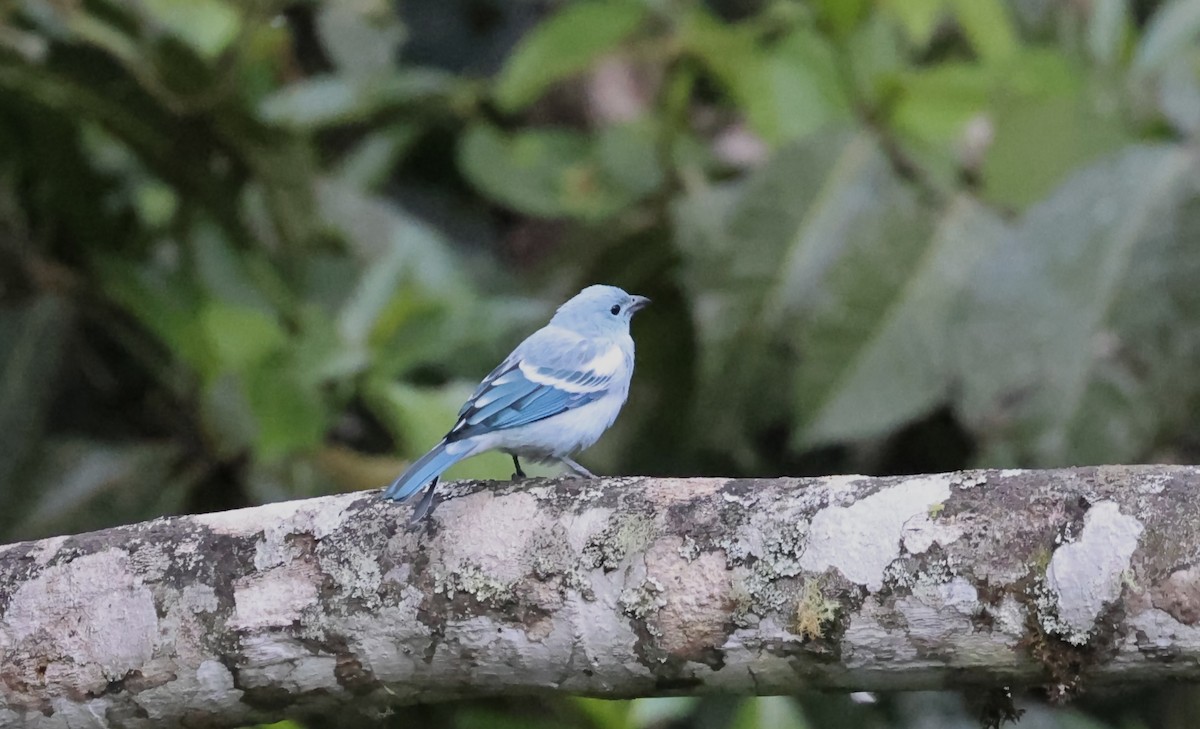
x: 521, y: 402
x: 506, y: 398
x: 498, y: 398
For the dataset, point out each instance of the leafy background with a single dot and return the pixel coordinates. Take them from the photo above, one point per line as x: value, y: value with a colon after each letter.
x: 256, y: 251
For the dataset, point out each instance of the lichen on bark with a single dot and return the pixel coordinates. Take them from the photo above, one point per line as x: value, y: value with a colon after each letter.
x: 617, y: 588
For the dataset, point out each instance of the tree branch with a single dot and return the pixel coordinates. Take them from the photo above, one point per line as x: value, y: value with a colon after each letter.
x: 615, y: 588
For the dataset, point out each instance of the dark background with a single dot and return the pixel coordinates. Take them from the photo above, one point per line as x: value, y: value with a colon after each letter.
x: 258, y: 251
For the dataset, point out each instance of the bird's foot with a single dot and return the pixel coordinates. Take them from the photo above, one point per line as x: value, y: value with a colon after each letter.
x: 520, y: 473
x: 578, y: 469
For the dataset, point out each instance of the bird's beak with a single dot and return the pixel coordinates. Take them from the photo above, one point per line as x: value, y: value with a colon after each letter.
x: 639, y: 303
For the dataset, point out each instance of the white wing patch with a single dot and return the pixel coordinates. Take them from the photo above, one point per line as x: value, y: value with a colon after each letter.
x: 541, y: 378
x: 606, y: 364
x: 601, y: 366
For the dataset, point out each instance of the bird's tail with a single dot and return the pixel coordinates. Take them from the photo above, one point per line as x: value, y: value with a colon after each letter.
x: 425, y: 469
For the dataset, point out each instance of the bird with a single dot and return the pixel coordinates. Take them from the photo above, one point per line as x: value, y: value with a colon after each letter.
x: 553, y: 396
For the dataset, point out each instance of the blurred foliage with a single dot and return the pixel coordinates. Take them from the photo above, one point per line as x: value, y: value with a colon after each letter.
x: 254, y: 251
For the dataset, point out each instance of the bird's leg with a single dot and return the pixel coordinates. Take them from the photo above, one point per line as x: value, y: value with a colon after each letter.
x: 425, y: 505
x: 578, y: 469
x: 517, y: 465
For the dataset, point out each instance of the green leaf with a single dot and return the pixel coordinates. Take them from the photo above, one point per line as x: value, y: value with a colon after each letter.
x: 564, y: 45
x: 720, y: 283
x: 326, y: 101
x: 228, y: 274
x: 288, y: 410
x: 207, y: 26
x: 106, y: 35
x: 806, y: 90
x: 413, y: 303
x: 319, y: 354
x: 376, y: 230
x: 165, y: 304
x: 842, y: 16
x: 605, y: 713
x: 1040, y: 140
x: 661, y: 711
x: 628, y: 156
x: 471, y: 717
x: 156, y: 203
x: 786, y: 91
x: 732, y: 54
x: 1107, y: 31
x: 374, y: 158
x: 1171, y: 30
x: 779, y: 267
x: 417, y: 416
x: 769, y: 712
x: 889, y: 342
x: 988, y: 27
x: 283, y: 171
x: 939, y: 100
x: 1037, y: 72
x: 317, y: 102
x: 240, y: 336
x: 1082, y: 332
x: 285, y: 724
x: 878, y: 54
x: 917, y: 17
x: 409, y: 283
x: 361, y: 37
x: 547, y: 173
x: 935, y: 106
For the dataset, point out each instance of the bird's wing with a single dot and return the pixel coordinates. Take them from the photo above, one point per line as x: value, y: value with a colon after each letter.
x: 547, y: 374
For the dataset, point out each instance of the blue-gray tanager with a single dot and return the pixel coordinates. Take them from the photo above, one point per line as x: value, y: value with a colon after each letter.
x: 553, y: 396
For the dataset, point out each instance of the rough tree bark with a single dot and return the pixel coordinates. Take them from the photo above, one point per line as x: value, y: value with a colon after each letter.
x: 616, y: 588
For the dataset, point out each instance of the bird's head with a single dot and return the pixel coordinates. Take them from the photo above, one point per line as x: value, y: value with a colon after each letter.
x: 599, y: 309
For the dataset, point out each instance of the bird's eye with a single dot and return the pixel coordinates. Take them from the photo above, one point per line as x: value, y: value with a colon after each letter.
x: 616, y: 309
